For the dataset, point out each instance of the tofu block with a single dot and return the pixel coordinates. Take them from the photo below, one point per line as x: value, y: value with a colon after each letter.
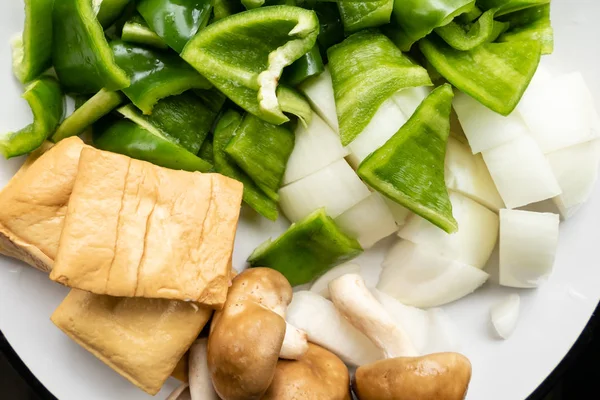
x: 141, y: 339
x: 34, y: 203
x: 134, y: 229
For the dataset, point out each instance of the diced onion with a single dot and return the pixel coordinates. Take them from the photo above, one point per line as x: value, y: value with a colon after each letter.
x: 468, y: 175
x: 528, y: 242
x: 321, y: 285
x: 316, y: 147
x: 505, y: 315
x: 369, y: 221
x: 399, y: 212
x: 418, y: 276
x: 521, y: 172
x: 409, y: 99
x: 475, y: 240
x: 319, y: 91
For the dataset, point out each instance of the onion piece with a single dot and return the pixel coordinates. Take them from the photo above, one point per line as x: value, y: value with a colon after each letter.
x: 475, y: 240
x: 368, y: 222
x: 576, y: 169
x: 321, y: 285
x: 336, y: 188
x: 419, y: 277
x: 505, y: 315
x: 399, y: 212
x: 385, y: 123
x: 528, y: 242
x: 326, y: 327
x: 409, y: 99
x: 316, y: 147
x: 521, y: 172
x: 319, y: 91
x: 484, y: 128
x: 468, y: 175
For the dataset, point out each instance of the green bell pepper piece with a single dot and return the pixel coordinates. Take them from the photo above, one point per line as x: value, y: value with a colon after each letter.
x: 154, y: 74
x: 182, y: 119
x: 87, y: 113
x: 331, y: 29
x: 47, y: 103
x: 80, y: 53
x: 308, y: 249
x: 484, y: 30
x: 530, y: 24
x: 292, y: 102
x: 31, y: 50
x: 244, y: 55
x: 207, y: 151
x: 253, y: 196
x: 415, y: 19
x: 136, y: 30
x: 357, y: 15
x: 409, y: 168
x: 366, y: 70
x: 262, y: 150
x: 495, y: 74
x: 225, y: 8
x: 470, y: 16
x: 175, y: 21
x: 310, y: 64
x: 509, y: 6
x: 212, y: 98
x: 108, y: 11
x: 130, y: 139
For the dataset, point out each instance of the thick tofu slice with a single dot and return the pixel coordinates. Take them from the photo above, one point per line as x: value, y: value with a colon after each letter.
x: 34, y: 203
x: 141, y: 339
x: 137, y: 230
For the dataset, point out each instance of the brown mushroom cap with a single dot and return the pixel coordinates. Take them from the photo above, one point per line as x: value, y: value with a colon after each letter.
x: 442, y: 376
x: 319, y: 374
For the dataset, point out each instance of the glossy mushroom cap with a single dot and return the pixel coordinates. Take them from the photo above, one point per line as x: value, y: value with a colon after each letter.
x: 442, y: 376
x: 319, y: 374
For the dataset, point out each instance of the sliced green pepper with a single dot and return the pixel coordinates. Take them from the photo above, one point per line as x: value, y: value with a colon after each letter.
x: 484, y: 30
x: 154, y: 74
x: 366, y: 70
x: 509, y: 6
x: 310, y: 64
x: 128, y: 138
x: 81, y: 56
x: 183, y: 119
x: 207, y: 151
x: 262, y: 150
x: 307, y: 249
x: 470, y: 16
x: 531, y: 24
x: 357, y: 15
x: 244, y: 55
x: 136, y: 30
x: 89, y: 112
x: 331, y: 29
x: 48, y: 106
x: 409, y: 168
x: 212, y: 98
x: 292, y: 102
x: 253, y: 196
x: 32, y: 52
x: 496, y: 74
x: 225, y: 8
x: 175, y: 21
x: 109, y: 10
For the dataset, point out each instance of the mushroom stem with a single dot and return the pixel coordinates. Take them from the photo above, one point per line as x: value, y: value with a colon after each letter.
x: 356, y: 303
x: 295, y: 343
x: 180, y: 393
x: 201, y: 387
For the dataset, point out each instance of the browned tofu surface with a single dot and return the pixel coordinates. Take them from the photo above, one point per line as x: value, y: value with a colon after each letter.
x: 137, y: 230
x: 141, y: 339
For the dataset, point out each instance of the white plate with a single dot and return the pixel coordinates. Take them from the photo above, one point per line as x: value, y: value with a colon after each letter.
x: 551, y: 319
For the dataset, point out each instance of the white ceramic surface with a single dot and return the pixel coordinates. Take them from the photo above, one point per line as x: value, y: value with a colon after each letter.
x: 552, y: 317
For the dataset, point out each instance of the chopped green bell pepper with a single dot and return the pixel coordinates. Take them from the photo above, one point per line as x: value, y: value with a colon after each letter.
x: 495, y: 74
x: 366, y: 70
x: 469, y: 16
x: 128, y: 138
x: 48, y: 107
x: 509, y: 6
x: 175, y: 21
x: 409, y: 168
x: 262, y: 150
x: 307, y: 249
x: 154, y: 74
x: 32, y: 50
x: 530, y: 24
x: 89, y: 112
x: 212, y: 98
x: 109, y: 10
x: 310, y: 64
x: 331, y: 29
x: 80, y: 53
x: 244, y: 55
x: 225, y: 8
x: 292, y: 102
x: 253, y: 196
x: 207, y: 150
x: 357, y: 15
x: 484, y: 30
x: 136, y: 30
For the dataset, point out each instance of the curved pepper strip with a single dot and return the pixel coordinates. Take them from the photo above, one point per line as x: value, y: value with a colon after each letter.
x: 292, y: 102
x: 253, y: 196
x: 357, y: 15
x: 308, y: 65
x: 108, y: 11
x: 128, y: 138
x: 484, y: 30
x: 530, y: 24
x: 495, y: 74
x: 31, y: 50
x: 331, y: 29
x: 366, y: 70
x: 409, y: 168
x: 80, y: 53
x: 47, y: 103
x: 225, y: 8
x: 89, y: 112
x: 509, y: 6
x: 244, y: 55
x: 136, y: 30
x: 212, y: 98
x: 154, y: 74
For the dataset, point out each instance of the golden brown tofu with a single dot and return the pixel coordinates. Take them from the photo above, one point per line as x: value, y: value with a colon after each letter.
x: 141, y: 339
x: 137, y: 230
x: 34, y: 203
